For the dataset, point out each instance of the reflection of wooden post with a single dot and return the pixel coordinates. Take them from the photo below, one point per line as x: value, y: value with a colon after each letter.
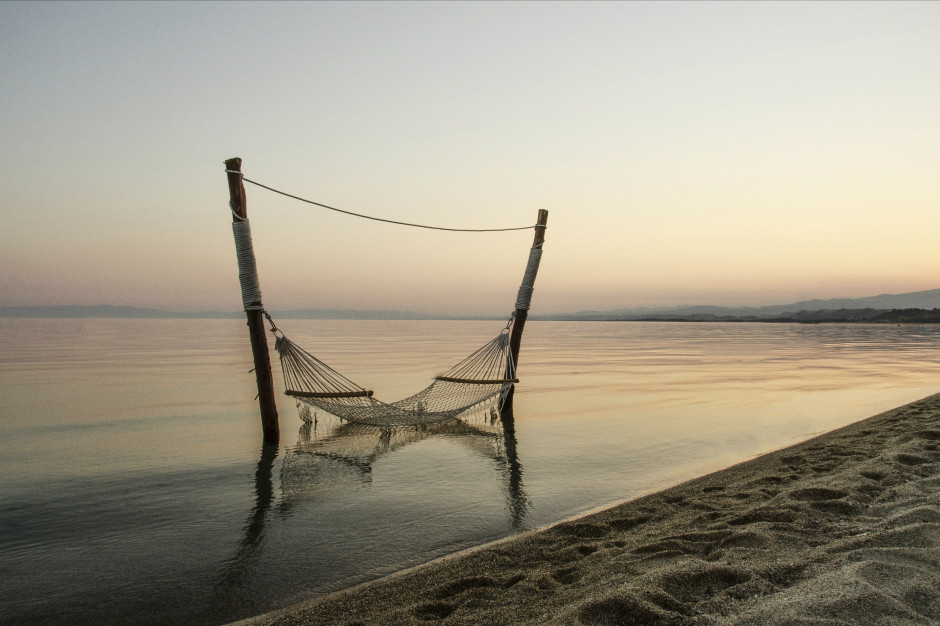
x: 236, y: 575
x: 253, y: 309
x: 518, y: 502
x: 515, y: 339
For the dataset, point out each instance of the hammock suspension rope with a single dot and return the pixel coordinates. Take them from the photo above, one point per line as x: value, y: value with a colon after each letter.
x: 381, y: 219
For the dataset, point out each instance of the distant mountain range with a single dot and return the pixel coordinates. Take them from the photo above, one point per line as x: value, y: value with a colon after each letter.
x: 836, y: 309
x: 881, y: 308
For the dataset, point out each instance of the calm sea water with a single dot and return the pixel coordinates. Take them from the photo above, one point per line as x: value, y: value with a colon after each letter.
x: 135, y: 488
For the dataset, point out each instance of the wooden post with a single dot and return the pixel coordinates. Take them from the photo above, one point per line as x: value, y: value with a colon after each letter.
x: 515, y: 338
x: 259, y: 341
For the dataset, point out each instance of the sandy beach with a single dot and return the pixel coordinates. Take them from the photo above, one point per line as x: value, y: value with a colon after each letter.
x: 841, y: 529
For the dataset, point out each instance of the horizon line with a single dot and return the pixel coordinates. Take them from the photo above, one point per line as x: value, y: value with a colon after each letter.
x: 119, y: 311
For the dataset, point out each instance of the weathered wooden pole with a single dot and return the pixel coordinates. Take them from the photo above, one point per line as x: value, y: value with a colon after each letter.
x: 523, y: 299
x: 251, y: 298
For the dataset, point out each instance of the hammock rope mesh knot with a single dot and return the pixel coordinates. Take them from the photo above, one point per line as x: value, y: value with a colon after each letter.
x: 479, y: 381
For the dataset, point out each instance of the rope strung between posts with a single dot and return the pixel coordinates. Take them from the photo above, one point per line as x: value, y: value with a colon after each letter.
x: 379, y: 219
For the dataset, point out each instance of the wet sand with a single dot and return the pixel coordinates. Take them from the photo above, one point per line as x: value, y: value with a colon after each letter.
x: 841, y: 529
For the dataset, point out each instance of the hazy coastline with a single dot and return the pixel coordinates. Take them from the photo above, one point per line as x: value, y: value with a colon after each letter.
x: 921, y: 307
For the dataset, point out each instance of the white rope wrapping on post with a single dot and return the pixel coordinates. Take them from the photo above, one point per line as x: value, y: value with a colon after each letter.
x: 247, y: 269
x: 524, y: 298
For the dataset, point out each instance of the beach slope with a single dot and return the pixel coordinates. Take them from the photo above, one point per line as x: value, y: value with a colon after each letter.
x: 841, y: 529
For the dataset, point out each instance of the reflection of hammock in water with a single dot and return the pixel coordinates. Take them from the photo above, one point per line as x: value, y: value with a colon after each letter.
x: 345, y: 453
x: 349, y: 450
x: 485, y: 377
x: 343, y: 456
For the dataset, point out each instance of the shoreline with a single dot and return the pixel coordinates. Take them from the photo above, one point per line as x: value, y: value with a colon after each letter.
x: 843, y: 528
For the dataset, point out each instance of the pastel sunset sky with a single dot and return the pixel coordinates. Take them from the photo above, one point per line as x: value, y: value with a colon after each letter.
x: 706, y: 153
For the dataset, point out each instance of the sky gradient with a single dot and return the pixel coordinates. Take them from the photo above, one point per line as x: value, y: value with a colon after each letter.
x: 717, y: 153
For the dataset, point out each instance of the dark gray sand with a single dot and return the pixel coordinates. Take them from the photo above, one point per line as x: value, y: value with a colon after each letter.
x: 841, y: 529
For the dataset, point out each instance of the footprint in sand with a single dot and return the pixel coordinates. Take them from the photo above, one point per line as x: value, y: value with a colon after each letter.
x: 925, y: 514
x: 817, y: 494
x: 911, y: 459
x: 625, y: 609
x: 826, y: 500
x: 475, y: 582
x: 700, y: 543
x: 933, y: 435
x: 573, y: 553
x: 628, y: 523
x: 434, y: 611
x: 772, y: 480
x: 764, y: 514
x: 747, y: 539
x: 586, y: 549
x: 691, y: 584
x: 567, y: 575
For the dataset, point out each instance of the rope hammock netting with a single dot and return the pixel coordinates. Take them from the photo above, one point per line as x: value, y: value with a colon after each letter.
x: 481, y: 381
x: 484, y: 376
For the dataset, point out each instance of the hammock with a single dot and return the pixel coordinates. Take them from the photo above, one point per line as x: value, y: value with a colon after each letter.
x: 481, y: 379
